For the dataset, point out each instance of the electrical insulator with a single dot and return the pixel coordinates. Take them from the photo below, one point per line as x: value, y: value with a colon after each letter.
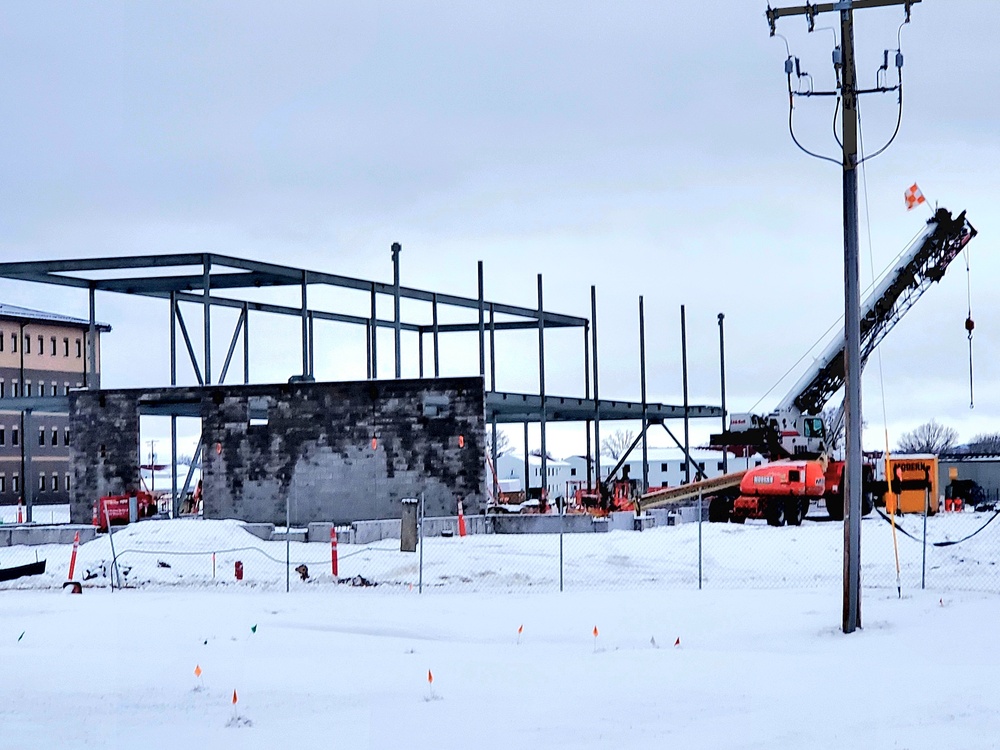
x: 838, y: 57
x: 899, y: 59
x: 789, y: 66
x: 969, y: 326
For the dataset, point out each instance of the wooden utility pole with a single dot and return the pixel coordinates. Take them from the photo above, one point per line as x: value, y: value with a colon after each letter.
x: 852, y: 478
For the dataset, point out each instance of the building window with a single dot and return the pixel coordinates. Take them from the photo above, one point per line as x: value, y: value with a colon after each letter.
x: 3, y: 387
x: 27, y: 388
x: 27, y: 344
x: 664, y: 467
x: 41, y: 483
x: 66, y: 393
x: 55, y: 483
x: 15, y: 483
x: 1, y: 341
x: 572, y: 471
x: 13, y: 342
x: 65, y: 435
x: 41, y: 345
x: 66, y: 346
x: 701, y: 465
x: 3, y: 436
x: 684, y: 466
x: 52, y: 342
x: 55, y: 388
x: 66, y: 482
x: 79, y: 348
x: 41, y: 436
x: 15, y: 436
x: 15, y: 389
x: 55, y: 437
x: 720, y: 466
x: 756, y: 463
x: 3, y: 482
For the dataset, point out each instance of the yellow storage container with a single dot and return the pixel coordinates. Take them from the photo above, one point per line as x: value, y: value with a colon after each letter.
x: 912, y: 468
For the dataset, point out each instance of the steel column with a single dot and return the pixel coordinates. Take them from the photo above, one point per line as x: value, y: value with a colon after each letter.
x: 434, y: 317
x: 207, y: 314
x: 305, y: 324
x: 374, y: 336
x: 642, y: 385
x: 597, y: 398
x: 92, y: 383
x: 722, y: 375
x: 396, y: 247
x: 684, y: 369
x: 246, y: 343
x: 482, y: 328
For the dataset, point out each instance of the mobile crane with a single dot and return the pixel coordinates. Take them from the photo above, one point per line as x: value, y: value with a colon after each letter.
x: 794, y: 437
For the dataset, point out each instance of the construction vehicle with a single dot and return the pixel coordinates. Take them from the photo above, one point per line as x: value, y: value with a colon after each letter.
x: 794, y: 436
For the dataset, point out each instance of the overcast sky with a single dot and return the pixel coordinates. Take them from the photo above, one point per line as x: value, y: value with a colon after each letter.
x: 642, y: 147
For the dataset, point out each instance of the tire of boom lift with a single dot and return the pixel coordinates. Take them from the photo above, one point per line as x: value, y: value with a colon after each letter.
x: 719, y: 510
x: 775, y: 512
x: 793, y: 515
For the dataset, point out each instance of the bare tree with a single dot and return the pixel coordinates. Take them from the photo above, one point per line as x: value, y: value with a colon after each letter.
x: 503, y: 443
x: 930, y: 437
x: 615, y: 444
x: 987, y: 442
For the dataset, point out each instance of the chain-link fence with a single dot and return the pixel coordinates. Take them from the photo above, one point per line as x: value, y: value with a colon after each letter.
x: 514, y: 553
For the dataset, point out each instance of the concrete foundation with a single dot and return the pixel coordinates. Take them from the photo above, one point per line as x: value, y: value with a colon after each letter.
x: 13, y: 535
x: 573, y: 523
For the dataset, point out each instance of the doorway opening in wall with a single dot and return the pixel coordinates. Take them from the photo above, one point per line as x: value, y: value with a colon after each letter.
x: 175, y: 494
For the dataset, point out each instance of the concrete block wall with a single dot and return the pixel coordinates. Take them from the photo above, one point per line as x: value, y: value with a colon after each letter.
x: 104, y: 448
x: 305, y: 444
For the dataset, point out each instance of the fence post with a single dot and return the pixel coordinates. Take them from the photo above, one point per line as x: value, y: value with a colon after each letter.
x: 700, y: 514
x: 420, y: 535
x: 923, y: 560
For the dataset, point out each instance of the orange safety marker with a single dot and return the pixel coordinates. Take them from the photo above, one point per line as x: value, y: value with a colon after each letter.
x: 333, y: 551
x: 197, y: 671
x: 20, y: 511
x: 595, y: 639
x: 72, y: 557
x: 461, y: 519
x: 520, y: 630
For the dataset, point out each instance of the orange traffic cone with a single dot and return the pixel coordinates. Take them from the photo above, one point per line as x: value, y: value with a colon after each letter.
x: 20, y: 511
x: 461, y: 519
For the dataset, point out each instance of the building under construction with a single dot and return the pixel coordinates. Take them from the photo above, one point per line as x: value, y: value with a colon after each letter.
x: 339, y: 451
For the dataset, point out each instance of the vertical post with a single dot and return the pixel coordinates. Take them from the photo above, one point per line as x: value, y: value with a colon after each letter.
x: 174, y: 501
x: 642, y: 385
x: 206, y: 286
x: 368, y: 350
x: 586, y: 395
x: 92, y: 383
x: 288, y: 540
x: 482, y: 328
x: 246, y: 343
x: 684, y: 377
x: 493, y: 387
x: 396, y: 248
x: 923, y: 556
x: 28, y: 484
x: 374, y: 335
x: 312, y: 349
x: 852, y: 329
x: 527, y: 465
x: 541, y: 393
x: 434, y: 320
x: 701, y: 514
x: 722, y: 375
x: 420, y: 353
x: 420, y: 533
x: 305, y: 324
x: 597, y: 401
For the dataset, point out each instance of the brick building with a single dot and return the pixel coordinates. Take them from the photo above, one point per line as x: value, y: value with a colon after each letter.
x: 41, y: 355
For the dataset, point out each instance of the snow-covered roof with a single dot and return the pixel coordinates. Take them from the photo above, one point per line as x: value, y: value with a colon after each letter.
x: 14, y: 312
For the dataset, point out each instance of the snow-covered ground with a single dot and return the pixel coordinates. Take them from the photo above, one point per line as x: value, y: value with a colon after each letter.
x: 348, y: 667
x: 760, y: 661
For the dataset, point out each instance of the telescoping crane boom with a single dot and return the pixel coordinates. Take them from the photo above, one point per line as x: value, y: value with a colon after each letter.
x: 793, y: 437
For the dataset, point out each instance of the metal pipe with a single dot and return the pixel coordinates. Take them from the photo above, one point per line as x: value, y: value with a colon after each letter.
x: 493, y: 351
x: 420, y: 353
x: 597, y: 400
x: 246, y: 343
x: 434, y: 317
x: 586, y: 395
x: 92, y: 381
x: 396, y: 248
x: 642, y: 385
x: 374, y: 337
x: 207, y: 314
x: 312, y: 349
x: 684, y: 370
x: 722, y: 375
x: 174, y: 502
x: 527, y: 467
x: 482, y: 337
x: 305, y: 324
x: 368, y: 350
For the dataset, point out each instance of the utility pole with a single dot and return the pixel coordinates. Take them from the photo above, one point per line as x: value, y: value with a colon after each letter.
x: 844, y: 62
